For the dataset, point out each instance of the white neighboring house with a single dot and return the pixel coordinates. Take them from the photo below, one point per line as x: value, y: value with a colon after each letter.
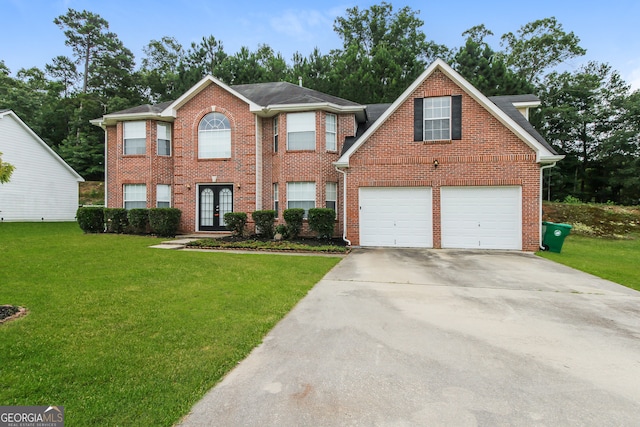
x: 42, y: 187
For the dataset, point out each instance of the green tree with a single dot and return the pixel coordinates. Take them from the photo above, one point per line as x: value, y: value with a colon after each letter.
x: 161, y: 69
x: 6, y: 170
x: 539, y: 46
x: 585, y: 115
x: 383, y: 53
x: 485, y: 69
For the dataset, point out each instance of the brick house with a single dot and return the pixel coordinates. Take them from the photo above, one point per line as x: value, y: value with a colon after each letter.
x: 443, y: 166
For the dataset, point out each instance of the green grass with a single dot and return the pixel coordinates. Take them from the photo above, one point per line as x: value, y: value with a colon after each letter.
x: 615, y: 260
x: 121, y: 334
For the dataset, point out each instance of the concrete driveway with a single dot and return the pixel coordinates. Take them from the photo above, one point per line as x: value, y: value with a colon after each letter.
x: 396, y: 337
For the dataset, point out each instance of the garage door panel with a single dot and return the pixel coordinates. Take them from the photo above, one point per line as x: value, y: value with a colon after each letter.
x: 481, y: 217
x: 396, y: 216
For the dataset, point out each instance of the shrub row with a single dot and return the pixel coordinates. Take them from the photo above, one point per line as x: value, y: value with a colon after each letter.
x: 163, y: 222
x: 321, y: 220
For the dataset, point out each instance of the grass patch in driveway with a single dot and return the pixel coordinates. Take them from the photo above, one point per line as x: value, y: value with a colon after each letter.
x: 615, y: 260
x: 121, y: 334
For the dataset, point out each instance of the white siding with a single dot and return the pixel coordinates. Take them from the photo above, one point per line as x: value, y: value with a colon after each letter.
x: 42, y: 186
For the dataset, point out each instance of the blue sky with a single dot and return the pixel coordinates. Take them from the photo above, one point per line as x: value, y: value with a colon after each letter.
x: 610, y: 31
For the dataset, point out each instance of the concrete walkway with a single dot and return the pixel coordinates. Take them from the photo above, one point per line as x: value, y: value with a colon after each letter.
x: 435, y: 337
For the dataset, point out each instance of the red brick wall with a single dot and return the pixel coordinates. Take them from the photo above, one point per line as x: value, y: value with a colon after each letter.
x: 291, y: 166
x: 487, y: 155
x: 149, y: 169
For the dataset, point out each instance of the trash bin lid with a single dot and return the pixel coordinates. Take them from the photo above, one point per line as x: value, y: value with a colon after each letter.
x: 569, y: 226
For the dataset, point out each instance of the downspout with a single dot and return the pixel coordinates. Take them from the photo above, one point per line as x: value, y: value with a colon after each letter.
x: 106, y: 187
x: 344, y: 206
x: 541, y: 190
x: 258, y: 124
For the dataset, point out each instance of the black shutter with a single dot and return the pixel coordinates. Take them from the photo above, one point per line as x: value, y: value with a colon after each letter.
x: 418, y: 120
x: 456, y: 117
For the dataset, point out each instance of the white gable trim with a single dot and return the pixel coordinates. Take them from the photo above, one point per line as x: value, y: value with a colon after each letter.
x: 42, y: 143
x: 171, y: 110
x: 542, y: 153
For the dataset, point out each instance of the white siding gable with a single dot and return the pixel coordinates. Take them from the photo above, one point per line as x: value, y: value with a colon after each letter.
x: 43, y: 186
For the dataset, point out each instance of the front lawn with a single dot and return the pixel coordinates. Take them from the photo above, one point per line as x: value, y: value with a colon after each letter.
x: 120, y: 334
x: 615, y: 260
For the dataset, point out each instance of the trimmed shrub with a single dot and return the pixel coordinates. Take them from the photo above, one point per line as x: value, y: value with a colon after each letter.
x: 164, y: 222
x: 281, y: 229
x: 293, y: 217
x: 264, y: 222
x: 138, y: 221
x: 91, y: 220
x: 236, y: 221
x: 115, y: 220
x: 322, y: 221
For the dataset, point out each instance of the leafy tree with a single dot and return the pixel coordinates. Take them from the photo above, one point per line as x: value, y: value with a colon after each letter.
x: 161, y: 69
x: 538, y: 46
x: 485, y: 69
x: 584, y: 117
x: 64, y: 71
x: 6, y: 169
x: 383, y: 53
x: 314, y: 70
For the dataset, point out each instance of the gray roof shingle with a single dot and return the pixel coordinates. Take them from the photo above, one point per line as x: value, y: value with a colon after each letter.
x: 505, y: 103
x: 287, y: 93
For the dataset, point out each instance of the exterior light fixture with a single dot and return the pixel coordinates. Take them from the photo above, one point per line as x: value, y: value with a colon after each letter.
x: 435, y: 163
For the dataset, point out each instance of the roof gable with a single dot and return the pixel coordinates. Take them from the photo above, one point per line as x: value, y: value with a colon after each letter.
x: 9, y: 113
x: 543, y: 151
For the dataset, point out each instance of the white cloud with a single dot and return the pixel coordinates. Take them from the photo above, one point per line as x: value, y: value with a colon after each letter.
x: 634, y: 79
x: 303, y: 24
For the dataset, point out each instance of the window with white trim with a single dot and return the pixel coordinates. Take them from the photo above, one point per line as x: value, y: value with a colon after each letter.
x: 437, y: 118
x: 135, y: 138
x: 332, y: 132
x: 164, y: 139
x: 163, y: 196
x: 301, y: 131
x: 331, y: 196
x: 214, y: 137
x: 276, y: 198
x: 275, y: 134
x: 135, y: 196
x: 301, y: 195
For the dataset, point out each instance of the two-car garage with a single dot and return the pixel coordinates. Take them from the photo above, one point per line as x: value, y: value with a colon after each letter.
x: 470, y: 217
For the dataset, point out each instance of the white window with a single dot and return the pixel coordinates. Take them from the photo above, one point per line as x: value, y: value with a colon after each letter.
x: 301, y: 131
x: 332, y: 132
x: 164, y: 139
x: 276, y: 198
x: 135, y: 196
x: 437, y: 118
x: 275, y: 134
x: 331, y: 196
x: 163, y: 196
x: 135, y: 138
x: 301, y: 195
x: 214, y: 137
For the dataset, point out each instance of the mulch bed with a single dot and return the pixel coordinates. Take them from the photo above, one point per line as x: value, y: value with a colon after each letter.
x: 11, y: 312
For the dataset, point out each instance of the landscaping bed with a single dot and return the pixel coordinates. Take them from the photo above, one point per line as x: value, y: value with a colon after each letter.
x: 299, y: 244
x: 595, y: 220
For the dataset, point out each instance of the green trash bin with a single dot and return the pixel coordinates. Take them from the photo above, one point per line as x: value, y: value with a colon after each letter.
x: 553, y: 235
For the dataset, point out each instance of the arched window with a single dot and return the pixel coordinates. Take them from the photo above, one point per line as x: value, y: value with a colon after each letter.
x: 214, y: 137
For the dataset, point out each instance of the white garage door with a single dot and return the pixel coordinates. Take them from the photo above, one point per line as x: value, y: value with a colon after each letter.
x: 396, y: 216
x: 481, y: 217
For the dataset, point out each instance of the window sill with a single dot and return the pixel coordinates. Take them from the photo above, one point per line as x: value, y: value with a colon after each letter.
x: 436, y: 141
x: 214, y: 159
x: 300, y: 151
x: 131, y: 156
